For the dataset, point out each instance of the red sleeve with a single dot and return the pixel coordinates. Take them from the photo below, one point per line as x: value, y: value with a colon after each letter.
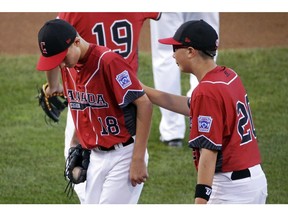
x: 154, y: 15
x: 62, y: 15
x: 123, y: 81
x: 207, y: 123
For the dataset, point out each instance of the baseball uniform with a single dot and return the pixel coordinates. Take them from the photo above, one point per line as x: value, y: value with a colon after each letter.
x: 118, y: 31
x: 221, y: 120
x: 103, y: 113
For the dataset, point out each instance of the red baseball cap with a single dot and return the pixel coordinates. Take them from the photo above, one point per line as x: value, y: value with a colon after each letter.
x: 54, y: 39
x: 196, y: 33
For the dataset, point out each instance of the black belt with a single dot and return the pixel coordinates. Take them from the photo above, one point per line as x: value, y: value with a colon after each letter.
x: 236, y: 175
x: 130, y: 141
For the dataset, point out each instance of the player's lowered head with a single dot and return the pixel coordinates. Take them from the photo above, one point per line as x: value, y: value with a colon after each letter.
x: 54, y: 39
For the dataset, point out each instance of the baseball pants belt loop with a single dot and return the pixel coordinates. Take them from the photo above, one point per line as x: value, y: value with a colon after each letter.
x: 116, y: 146
x: 240, y: 174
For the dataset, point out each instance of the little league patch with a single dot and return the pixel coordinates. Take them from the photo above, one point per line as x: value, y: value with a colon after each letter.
x: 124, y: 79
x: 204, y: 123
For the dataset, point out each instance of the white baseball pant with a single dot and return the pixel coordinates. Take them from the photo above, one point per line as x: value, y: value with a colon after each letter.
x: 249, y: 190
x: 107, y: 175
x: 108, y: 179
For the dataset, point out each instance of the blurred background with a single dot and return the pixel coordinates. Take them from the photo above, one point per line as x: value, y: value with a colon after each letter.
x: 237, y: 30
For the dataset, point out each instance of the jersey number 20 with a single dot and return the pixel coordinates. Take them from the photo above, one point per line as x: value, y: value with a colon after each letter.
x: 244, y: 114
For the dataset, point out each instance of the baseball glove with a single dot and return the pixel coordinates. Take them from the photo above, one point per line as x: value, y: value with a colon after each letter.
x: 52, y: 105
x: 76, y: 167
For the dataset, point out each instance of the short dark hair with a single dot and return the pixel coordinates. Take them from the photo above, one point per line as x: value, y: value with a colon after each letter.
x: 207, y: 54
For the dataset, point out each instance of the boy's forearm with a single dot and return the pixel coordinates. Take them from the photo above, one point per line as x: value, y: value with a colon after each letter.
x: 206, y: 170
x: 74, y: 140
x: 175, y: 103
x: 143, y: 125
x: 52, y: 77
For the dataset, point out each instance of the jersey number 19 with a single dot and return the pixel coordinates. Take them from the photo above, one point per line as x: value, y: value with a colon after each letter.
x: 121, y: 35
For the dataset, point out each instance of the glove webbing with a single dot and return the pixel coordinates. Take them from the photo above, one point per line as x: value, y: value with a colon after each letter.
x: 55, y: 94
x: 69, y: 190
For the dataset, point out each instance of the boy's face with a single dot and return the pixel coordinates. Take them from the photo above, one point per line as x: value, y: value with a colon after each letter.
x: 72, y: 56
x: 181, y: 55
x: 176, y: 47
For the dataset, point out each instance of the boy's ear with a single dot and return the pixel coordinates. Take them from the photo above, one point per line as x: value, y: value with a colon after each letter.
x: 77, y: 40
x: 192, y: 51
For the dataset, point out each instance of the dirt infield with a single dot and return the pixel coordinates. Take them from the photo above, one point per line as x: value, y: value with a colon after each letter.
x: 237, y: 30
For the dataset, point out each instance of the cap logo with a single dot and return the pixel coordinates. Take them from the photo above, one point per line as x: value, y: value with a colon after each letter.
x: 68, y: 41
x: 43, y: 49
x: 187, y: 40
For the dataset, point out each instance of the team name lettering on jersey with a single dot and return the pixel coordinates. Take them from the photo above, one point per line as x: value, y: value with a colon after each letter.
x: 82, y: 100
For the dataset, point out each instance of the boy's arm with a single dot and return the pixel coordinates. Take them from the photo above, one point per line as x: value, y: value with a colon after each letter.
x: 175, y: 103
x: 206, y: 170
x: 54, y: 85
x: 138, y: 168
x: 51, y: 96
x: 74, y: 141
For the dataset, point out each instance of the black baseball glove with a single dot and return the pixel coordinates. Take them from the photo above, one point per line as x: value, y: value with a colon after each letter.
x: 76, y: 167
x: 52, y: 105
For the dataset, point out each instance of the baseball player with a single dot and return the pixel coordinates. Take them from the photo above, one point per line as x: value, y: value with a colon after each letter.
x: 167, y: 75
x: 222, y: 133
x: 111, y: 112
x: 118, y: 31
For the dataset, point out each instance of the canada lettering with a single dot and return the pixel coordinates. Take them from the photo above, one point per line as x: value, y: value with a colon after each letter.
x: 81, y: 100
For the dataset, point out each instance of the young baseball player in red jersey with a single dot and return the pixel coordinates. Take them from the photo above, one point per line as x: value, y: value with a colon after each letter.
x: 111, y: 112
x: 118, y: 31
x: 222, y: 133
x: 166, y: 74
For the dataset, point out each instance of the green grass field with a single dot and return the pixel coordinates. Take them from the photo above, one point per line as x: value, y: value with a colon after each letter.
x: 31, y: 155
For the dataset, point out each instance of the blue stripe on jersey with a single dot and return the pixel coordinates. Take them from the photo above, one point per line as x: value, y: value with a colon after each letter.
x: 204, y: 142
x: 130, y: 113
x: 130, y: 96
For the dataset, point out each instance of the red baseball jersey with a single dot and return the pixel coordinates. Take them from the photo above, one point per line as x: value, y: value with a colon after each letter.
x: 100, y: 91
x: 221, y: 120
x: 118, y: 31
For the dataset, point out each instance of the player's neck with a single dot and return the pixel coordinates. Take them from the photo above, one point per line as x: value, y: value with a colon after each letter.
x: 84, y: 46
x: 204, y: 68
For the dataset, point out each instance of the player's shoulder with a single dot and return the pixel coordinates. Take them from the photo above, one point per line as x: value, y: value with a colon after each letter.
x: 98, y: 50
x: 133, y: 16
x: 106, y: 54
x: 215, y: 82
x: 220, y: 75
x: 152, y: 15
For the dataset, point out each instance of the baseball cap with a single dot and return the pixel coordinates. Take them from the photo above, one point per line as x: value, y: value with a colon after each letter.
x: 54, y: 39
x: 195, y: 33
